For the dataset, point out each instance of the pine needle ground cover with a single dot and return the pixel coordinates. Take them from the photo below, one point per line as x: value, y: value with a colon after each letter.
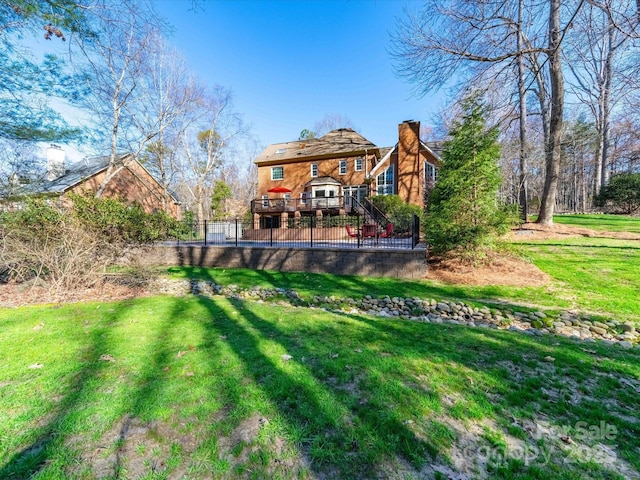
x: 197, y: 387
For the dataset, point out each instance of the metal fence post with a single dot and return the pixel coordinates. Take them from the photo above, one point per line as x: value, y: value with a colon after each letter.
x: 311, y: 231
x: 358, y: 232
x: 236, y: 231
x: 271, y: 234
x: 205, y: 233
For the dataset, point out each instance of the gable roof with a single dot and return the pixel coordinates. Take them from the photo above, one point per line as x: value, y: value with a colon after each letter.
x: 336, y: 143
x: 78, y: 172
x: 342, y: 142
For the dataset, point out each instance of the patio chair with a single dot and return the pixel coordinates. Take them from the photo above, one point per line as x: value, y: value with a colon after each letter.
x: 388, y: 231
x: 351, y: 233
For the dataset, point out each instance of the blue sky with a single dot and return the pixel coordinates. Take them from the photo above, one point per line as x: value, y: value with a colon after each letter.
x: 289, y: 63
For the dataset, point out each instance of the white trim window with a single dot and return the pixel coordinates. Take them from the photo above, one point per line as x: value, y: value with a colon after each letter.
x: 314, y: 169
x: 358, y: 164
x: 343, y: 167
x: 265, y: 200
x: 277, y: 173
x: 385, y: 182
x: 430, y: 172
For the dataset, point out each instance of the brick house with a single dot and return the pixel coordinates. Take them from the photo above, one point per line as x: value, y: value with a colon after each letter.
x: 132, y: 182
x: 321, y: 176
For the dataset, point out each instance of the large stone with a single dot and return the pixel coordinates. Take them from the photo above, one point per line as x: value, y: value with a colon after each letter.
x: 443, y: 307
x: 598, y: 330
x: 627, y: 327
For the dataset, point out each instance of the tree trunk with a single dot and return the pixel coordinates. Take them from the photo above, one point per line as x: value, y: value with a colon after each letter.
x: 606, y: 112
x: 553, y: 150
x: 522, y: 93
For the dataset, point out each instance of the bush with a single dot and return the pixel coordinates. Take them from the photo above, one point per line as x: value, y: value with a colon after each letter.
x: 70, y: 247
x: 119, y: 222
x: 623, y: 192
x: 397, y: 211
x: 42, y: 242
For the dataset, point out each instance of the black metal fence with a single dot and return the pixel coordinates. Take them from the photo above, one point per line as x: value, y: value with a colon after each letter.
x: 307, y: 231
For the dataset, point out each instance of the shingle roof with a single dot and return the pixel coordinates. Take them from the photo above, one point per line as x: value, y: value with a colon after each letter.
x: 341, y: 142
x: 322, y: 181
x: 76, y: 173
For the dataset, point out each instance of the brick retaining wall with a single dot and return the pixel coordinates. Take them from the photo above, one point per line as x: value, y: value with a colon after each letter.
x: 376, y: 263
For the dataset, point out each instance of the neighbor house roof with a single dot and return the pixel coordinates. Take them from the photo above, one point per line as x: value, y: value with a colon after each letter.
x: 77, y: 173
x: 343, y: 141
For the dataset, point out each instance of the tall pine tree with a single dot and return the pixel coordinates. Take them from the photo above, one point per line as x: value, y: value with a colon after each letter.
x: 463, y: 208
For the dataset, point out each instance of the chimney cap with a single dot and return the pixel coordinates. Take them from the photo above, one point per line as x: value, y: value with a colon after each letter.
x: 409, y: 121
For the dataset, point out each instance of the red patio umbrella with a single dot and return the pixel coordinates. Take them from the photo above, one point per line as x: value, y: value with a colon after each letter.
x: 279, y: 189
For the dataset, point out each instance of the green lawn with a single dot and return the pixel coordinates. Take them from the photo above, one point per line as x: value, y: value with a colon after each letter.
x: 199, y: 387
x: 592, y: 274
x: 612, y: 223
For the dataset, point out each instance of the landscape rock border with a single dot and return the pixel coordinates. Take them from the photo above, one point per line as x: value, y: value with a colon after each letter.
x: 568, y: 324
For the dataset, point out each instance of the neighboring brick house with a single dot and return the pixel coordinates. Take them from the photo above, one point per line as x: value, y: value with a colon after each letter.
x: 319, y: 176
x: 131, y: 182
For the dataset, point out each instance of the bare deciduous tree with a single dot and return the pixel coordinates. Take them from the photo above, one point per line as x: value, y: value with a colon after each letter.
x: 601, y: 75
x: 115, y: 60
x: 206, y: 142
x: 162, y: 110
x: 461, y: 38
x: 331, y: 121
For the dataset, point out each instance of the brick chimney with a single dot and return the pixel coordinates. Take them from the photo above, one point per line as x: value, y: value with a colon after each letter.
x: 409, y: 166
x: 55, y: 162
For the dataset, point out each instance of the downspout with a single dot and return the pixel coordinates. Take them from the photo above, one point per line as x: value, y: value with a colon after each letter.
x: 366, y: 162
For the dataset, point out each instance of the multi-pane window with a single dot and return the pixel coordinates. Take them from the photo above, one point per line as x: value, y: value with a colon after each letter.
x: 430, y: 172
x: 358, y: 165
x: 314, y: 169
x: 265, y: 200
x: 277, y: 173
x: 343, y: 167
x: 385, y: 182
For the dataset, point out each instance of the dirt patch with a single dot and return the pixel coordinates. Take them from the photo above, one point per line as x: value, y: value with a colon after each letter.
x: 136, y: 447
x: 534, y: 231
x: 500, y: 271
x: 15, y: 295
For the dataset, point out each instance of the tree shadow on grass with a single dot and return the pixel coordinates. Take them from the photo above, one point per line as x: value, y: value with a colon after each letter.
x: 50, y: 435
x: 349, y: 419
x: 549, y: 365
x: 318, y: 398
x: 111, y: 401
